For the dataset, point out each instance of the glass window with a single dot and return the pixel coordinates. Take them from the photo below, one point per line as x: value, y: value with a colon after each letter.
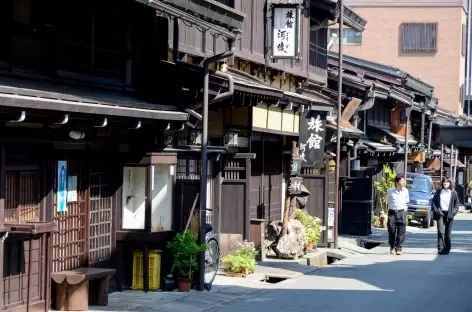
x: 134, y: 195
x: 418, y: 184
x: 350, y: 36
x: 419, y: 37
x: 162, y: 188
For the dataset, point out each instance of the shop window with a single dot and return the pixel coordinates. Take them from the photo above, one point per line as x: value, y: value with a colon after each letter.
x: 162, y: 188
x: 134, y: 196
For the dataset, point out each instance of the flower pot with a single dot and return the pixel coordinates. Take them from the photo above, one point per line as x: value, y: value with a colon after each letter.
x: 184, y: 284
x: 309, y: 246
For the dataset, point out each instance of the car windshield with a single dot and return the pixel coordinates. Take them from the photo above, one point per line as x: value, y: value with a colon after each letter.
x: 418, y: 184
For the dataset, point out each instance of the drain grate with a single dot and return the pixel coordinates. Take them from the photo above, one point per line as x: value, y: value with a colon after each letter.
x: 273, y: 279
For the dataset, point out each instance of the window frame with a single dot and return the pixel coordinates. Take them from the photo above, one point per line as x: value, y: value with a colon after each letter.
x: 415, y: 28
x: 345, y: 32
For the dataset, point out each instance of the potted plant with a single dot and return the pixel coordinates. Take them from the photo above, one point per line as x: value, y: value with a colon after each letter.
x: 312, y: 227
x: 382, y: 187
x: 185, y: 251
x: 243, y: 261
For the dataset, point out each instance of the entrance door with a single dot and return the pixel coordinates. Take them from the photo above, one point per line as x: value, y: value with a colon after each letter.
x: 356, y: 206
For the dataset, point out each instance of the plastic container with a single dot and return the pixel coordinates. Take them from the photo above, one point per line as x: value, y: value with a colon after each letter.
x: 154, y: 270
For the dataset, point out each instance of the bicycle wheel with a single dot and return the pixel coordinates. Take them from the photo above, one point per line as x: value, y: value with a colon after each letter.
x: 212, y: 259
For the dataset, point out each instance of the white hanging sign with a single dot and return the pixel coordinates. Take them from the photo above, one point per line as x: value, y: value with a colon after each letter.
x: 285, y: 32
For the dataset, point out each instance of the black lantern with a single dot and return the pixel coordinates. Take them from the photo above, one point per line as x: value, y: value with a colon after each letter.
x: 168, y: 139
x: 231, y: 137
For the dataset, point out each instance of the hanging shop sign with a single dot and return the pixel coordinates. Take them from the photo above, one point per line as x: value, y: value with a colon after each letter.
x: 285, y: 31
x: 61, y: 200
x: 312, y: 138
x: 295, y: 186
x: 295, y: 166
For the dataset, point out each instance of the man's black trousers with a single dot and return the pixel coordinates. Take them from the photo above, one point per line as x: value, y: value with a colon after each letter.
x: 396, y: 229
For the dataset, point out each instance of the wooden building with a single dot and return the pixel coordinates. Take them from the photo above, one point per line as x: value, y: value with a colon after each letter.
x: 85, y: 110
x: 276, y: 87
x: 377, y: 98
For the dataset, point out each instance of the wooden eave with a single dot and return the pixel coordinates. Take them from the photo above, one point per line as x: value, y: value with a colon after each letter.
x: 350, y: 80
x: 382, y: 72
x: 419, y: 86
x: 36, y: 95
x: 383, y: 133
x: 246, y: 83
x: 208, y: 14
x: 331, y: 9
x: 368, y: 65
x: 459, y: 136
x: 401, y: 95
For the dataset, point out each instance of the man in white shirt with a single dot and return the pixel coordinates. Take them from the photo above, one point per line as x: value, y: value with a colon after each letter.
x: 397, y: 202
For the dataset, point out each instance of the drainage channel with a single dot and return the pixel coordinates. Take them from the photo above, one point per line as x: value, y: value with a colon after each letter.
x: 273, y: 279
x: 368, y: 244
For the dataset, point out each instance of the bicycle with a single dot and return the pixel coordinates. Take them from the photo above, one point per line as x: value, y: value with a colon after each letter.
x: 212, y: 256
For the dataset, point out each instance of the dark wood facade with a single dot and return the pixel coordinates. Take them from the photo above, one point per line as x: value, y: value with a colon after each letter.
x: 81, y: 88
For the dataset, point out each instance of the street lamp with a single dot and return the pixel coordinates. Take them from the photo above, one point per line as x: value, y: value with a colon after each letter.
x: 231, y: 137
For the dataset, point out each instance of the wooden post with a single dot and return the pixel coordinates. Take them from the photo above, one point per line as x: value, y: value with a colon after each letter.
x: 288, y: 198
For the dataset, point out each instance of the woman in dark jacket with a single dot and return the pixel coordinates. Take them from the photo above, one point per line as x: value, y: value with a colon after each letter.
x: 445, y: 206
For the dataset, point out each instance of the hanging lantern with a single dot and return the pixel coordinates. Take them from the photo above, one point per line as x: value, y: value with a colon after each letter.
x: 331, y: 165
x: 168, y: 139
x: 195, y: 137
x: 231, y: 137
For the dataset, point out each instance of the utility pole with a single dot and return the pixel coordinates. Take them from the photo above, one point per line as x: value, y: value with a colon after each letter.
x: 468, y: 58
x: 338, y: 122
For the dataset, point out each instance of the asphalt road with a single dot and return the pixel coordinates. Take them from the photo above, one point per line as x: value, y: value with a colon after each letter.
x: 419, y: 280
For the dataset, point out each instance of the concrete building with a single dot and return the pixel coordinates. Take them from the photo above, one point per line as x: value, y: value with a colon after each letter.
x: 423, y: 37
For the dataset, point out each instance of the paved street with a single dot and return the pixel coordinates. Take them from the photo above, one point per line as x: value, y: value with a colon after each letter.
x: 419, y: 280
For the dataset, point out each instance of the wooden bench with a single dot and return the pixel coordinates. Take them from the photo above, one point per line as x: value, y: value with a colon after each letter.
x: 72, y: 288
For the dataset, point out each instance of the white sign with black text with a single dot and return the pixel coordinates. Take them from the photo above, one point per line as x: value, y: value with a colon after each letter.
x: 285, y: 32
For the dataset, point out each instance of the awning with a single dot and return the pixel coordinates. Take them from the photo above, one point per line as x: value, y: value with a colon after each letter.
x: 244, y: 82
x: 459, y: 136
x: 390, y: 136
x: 316, y: 101
x: 24, y: 94
x: 208, y: 14
x: 348, y: 131
x: 447, y: 161
x: 377, y: 147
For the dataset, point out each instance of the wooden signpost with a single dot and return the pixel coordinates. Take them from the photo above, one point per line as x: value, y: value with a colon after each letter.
x: 295, y: 186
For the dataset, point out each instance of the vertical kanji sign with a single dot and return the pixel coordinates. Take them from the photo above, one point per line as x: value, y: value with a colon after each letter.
x: 312, y: 138
x: 285, y: 31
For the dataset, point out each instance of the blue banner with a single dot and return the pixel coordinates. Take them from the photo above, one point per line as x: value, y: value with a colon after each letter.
x: 61, y: 186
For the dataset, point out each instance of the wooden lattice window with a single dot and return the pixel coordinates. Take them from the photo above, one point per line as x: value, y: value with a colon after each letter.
x: 419, y: 37
x: 22, y: 196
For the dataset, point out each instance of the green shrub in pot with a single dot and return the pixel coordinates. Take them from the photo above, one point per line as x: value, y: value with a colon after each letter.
x: 185, y: 252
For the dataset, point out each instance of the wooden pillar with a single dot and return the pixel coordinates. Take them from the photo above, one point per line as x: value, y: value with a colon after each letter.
x: 441, y: 167
x: 148, y: 200
x: 247, y: 200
